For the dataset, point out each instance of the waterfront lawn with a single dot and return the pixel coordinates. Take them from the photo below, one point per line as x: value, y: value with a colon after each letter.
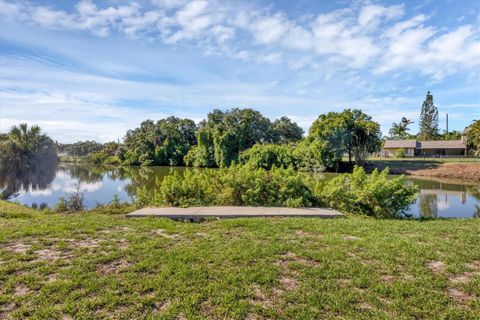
x: 93, y: 265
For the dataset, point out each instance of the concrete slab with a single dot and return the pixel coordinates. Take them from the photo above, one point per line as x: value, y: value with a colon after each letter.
x: 233, y: 212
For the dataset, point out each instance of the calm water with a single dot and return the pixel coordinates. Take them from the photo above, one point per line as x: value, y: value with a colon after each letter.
x: 436, y: 198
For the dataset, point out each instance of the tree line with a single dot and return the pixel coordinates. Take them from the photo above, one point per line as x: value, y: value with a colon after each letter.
x: 240, y: 135
x: 428, y: 125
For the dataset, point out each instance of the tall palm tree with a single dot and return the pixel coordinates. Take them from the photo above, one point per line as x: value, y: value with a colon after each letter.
x: 399, y: 130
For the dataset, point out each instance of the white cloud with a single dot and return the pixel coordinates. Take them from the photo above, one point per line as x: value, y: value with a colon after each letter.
x: 361, y: 36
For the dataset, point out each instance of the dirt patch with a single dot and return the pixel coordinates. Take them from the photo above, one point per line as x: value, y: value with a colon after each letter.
x: 114, y: 267
x: 163, y: 233
x: 474, y: 271
x: 351, y: 238
x: 161, y: 306
x: 289, y: 283
x: 51, y: 278
x: 87, y: 243
x: 6, y: 309
x: 252, y: 316
x: 436, y: 266
x: 470, y: 171
x: 200, y: 234
x: 17, y: 247
x: 475, y: 265
x: 48, y: 254
x: 181, y: 316
x: 21, y: 290
x: 292, y: 257
x: 261, y: 298
x: 388, y: 278
x: 304, y: 234
x: 458, y: 296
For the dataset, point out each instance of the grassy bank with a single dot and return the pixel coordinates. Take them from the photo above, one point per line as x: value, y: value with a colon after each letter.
x: 94, y: 265
x: 468, y: 168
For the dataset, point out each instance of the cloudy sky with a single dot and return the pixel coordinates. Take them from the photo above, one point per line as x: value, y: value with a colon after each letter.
x: 92, y: 69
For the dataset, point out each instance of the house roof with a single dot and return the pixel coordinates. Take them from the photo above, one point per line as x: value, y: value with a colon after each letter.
x: 440, y: 144
x: 393, y: 144
x: 445, y: 144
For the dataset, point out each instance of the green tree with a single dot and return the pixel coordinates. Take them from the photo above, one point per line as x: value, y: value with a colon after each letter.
x: 428, y: 119
x: 351, y: 131
x: 473, y: 137
x: 224, y: 135
x: 163, y: 143
x: 286, y: 131
x: 400, y: 130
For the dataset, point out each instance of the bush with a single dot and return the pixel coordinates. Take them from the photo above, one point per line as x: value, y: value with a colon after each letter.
x: 357, y: 193
x: 239, y: 185
x: 75, y: 202
x: 114, y: 207
x: 400, y: 153
x: 266, y: 156
x: 369, y: 194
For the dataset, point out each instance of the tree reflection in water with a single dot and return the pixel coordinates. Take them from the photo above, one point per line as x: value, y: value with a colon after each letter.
x: 428, y: 206
x: 26, y: 175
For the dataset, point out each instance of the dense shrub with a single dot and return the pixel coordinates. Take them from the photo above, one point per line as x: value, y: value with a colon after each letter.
x: 400, y: 153
x: 266, y: 156
x: 357, y: 193
x: 236, y: 186
x: 370, y: 194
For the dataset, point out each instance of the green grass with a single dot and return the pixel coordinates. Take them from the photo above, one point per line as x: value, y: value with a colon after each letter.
x: 93, y: 266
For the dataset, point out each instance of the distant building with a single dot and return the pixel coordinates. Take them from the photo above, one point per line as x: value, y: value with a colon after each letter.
x: 416, y: 148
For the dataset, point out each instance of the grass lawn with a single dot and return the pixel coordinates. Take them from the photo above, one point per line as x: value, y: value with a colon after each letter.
x: 93, y: 265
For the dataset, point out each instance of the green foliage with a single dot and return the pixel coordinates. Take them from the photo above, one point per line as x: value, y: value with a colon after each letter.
x: 369, y: 194
x: 62, y: 205
x: 400, y: 153
x: 74, y: 202
x: 80, y: 148
x: 163, y: 143
x: 27, y: 145
x: 239, y: 185
x: 286, y: 131
x: 357, y: 193
x: 400, y: 130
x: 428, y: 119
x: 473, y: 137
x: 114, y: 207
x: 224, y: 135
x: 266, y: 156
x: 351, y: 131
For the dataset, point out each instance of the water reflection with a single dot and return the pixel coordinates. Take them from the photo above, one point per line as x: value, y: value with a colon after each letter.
x: 440, y: 198
x: 45, y: 183
x: 26, y: 175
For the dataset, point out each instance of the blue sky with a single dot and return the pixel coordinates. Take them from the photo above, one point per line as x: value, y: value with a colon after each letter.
x: 94, y: 69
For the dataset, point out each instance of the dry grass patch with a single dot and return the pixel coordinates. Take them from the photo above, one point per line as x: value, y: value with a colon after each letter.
x: 351, y: 238
x: 458, y: 295
x: 21, y: 290
x: 163, y: 233
x: 436, y: 266
x: 292, y: 257
x: 113, y: 267
x: 86, y: 243
x: 289, y: 283
x: 160, y: 307
x: 261, y: 298
x: 17, y: 247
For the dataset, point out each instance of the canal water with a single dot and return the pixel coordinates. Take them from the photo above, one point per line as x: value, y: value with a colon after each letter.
x: 436, y: 198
